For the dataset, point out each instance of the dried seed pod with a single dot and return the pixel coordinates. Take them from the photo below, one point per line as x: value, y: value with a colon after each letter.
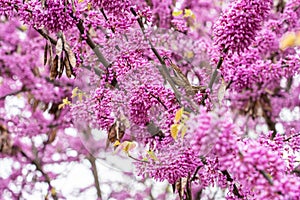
x: 70, y: 55
x: 180, y: 186
x: 35, y: 105
x: 115, y: 132
x: 59, y: 47
x: 36, y: 71
x: 5, y: 142
x: 54, y: 108
x: 45, y: 106
x: 46, y: 53
x: 53, y: 69
x: 44, y: 4
x: 68, y: 67
x: 51, y: 136
x: 179, y: 74
x: 61, y: 67
x: 50, y: 54
x: 182, y: 81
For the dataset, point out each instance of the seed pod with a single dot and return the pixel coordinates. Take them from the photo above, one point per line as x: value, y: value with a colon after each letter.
x: 51, y: 136
x: 61, y: 67
x: 46, y: 53
x: 68, y: 67
x: 115, y: 132
x: 70, y: 55
x: 53, y: 69
x: 35, y: 105
x: 5, y: 142
x: 59, y: 47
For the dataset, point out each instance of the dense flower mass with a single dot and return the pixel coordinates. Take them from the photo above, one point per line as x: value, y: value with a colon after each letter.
x: 117, y: 13
x: 171, y: 164
x: 199, y: 95
x: 237, y: 27
x: 52, y: 15
x: 146, y: 97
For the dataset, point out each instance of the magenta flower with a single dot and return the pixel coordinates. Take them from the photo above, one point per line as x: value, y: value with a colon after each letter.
x: 171, y: 164
x: 54, y: 15
x: 237, y: 27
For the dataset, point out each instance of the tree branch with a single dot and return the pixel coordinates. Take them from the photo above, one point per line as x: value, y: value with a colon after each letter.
x: 293, y: 136
x: 215, y: 73
x: 92, y: 160
x: 163, y: 69
x: 45, y: 175
x: 91, y: 44
x: 46, y: 36
x: 13, y: 93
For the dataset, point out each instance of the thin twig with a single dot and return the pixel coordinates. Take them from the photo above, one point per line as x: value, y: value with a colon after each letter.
x: 46, y: 36
x: 92, y: 160
x: 91, y: 44
x: 13, y: 93
x: 163, y: 67
x: 265, y: 175
x: 293, y: 136
x: 39, y: 168
x: 195, y: 174
x: 215, y: 73
x: 130, y: 156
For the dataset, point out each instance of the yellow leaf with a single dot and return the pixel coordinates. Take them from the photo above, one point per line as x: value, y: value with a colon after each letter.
x: 189, y: 13
x: 174, y: 130
x: 19, y: 96
x: 64, y: 103
x: 145, y: 159
x: 152, y: 155
x: 89, y: 6
x: 178, y: 115
x: 193, y: 16
x: 74, y: 92
x: 117, y: 143
x: 297, y: 42
x: 23, y: 28
x: 189, y: 54
x: 177, y: 13
x: 128, y: 146
x: 287, y: 40
x: 183, y: 131
x: 80, y: 95
x: 53, y: 191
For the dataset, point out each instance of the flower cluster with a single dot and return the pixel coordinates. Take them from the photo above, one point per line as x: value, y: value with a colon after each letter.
x: 200, y: 132
x: 237, y: 27
x: 265, y: 170
x: 291, y: 15
x: 170, y: 164
x: 118, y: 14
x: 7, y: 7
x: 239, y: 135
x: 162, y: 13
x: 103, y: 107
x: 53, y: 15
x: 127, y: 61
x: 261, y: 161
x: 146, y: 97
